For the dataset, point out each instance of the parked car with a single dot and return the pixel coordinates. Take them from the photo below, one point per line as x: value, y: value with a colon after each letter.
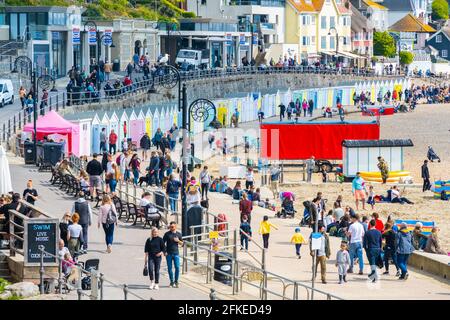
x: 6, y: 92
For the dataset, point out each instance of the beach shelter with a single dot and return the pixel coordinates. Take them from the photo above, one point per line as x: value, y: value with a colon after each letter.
x: 222, y: 112
x: 96, y: 129
x: 155, y: 124
x: 104, y: 121
x: 52, y: 123
x: 277, y: 102
x: 167, y: 119
x: 5, y: 181
x: 148, y: 122
x: 123, y: 125
x: 134, y: 126
x: 113, y: 122
x: 84, y: 122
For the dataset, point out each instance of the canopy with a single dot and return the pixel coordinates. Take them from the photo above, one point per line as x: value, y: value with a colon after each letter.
x: 5, y: 181
x: 53, y: 123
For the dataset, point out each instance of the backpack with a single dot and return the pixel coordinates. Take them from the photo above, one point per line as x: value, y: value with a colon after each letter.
x: 111, y: 218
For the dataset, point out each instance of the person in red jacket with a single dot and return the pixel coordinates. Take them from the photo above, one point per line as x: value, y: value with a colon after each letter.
x: 245, y: 207
x: 379, y: 225
x: 112, y: 142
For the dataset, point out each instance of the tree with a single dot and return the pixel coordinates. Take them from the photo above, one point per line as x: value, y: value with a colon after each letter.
x: 383, y: 44
x: 439, y: 10
x: 406, y: 58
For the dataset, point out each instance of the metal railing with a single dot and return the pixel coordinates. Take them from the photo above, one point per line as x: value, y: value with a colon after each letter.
x: 98, y: 280
x: 193, y: 248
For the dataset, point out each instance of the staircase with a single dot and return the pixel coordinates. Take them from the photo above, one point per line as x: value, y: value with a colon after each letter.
x: 4, y: 269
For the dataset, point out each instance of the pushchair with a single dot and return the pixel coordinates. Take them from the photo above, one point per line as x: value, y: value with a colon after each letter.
x: 287, y: 208
x: 431, y: 155
x: 88, y: 266
x: 306, y: 220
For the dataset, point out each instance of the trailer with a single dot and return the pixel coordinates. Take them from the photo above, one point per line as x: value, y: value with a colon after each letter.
x: 282, y: 141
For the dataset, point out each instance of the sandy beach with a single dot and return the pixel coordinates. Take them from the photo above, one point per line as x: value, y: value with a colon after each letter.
x: 427, y: 125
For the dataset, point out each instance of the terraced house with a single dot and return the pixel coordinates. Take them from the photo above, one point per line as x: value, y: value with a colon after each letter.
x: 320, y: 29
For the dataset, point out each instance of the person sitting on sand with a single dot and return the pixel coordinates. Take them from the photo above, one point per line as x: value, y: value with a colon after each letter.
x: 397, y: 198
x: 433, y: 243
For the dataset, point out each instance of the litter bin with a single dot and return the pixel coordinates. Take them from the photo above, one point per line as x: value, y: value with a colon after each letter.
x: 223, y: 263
x: 116, y: 65
x: 194, y: 218
x: 28, y: 150
x: 49, y: 153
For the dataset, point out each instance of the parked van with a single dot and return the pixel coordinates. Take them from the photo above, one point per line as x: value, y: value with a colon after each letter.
x: 6, y: 92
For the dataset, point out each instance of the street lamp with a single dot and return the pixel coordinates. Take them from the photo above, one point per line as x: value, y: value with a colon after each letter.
x: 199, y: 110
x: 92, y: 26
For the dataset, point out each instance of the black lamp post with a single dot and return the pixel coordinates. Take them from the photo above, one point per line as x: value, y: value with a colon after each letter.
x: 93, y: 26
x: 199, y: 110
x: 107, y: 41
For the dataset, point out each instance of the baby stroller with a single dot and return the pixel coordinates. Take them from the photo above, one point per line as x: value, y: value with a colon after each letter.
x: 431, y: 155
x: 287, y: 208
x: 88, y: 265
x: 306, y: 220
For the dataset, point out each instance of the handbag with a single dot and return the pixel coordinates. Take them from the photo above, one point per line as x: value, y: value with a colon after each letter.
x: 145, y: 271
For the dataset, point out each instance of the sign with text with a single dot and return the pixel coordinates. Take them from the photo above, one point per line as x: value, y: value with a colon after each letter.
x: 76, y: 36
x: 107, y: 39
x: 40, y: 232
x: 92, y: 36
x: 242, y: 38
x: 316, y: 240
x: 229, y: 39
x: 255, y: 38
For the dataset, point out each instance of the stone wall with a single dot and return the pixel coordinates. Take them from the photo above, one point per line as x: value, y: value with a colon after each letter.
x: 216, y: 88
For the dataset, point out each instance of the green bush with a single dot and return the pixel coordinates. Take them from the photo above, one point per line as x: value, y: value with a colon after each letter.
x: 406, y: 57
x: 384, y: 44
x: 3, y: 284
x: 439, y: 9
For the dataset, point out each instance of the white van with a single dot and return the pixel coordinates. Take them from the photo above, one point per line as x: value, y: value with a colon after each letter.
x: 6, y: 92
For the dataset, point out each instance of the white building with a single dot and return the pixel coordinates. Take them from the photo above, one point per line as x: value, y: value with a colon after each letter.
x: 267, y: 16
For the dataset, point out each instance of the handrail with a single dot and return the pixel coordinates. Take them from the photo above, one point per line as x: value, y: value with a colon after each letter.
x: 157, y: 80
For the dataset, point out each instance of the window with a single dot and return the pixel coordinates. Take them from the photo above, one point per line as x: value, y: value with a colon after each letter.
x: 323, y: 22
x: 203, y: 2
x: 305, y: 41
x: 332, y: 22
x: 444, y: 53
x: 313, y: 20
x: 323, y: 42
x: 332, y: 43
x: 344, y: 41
x: 313, y: 40
x: 439, y: 38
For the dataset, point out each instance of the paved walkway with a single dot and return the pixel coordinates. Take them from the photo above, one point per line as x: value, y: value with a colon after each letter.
x: 125, y: 263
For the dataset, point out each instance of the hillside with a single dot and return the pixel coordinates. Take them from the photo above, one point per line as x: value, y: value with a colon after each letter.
x: 107, y: 9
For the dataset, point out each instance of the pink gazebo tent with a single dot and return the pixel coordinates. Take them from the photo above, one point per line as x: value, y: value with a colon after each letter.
x: 53, y: 123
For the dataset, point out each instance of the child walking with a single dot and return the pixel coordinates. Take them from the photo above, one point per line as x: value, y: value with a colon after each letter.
x: 342, y: 262
x: 371, y: 197
x: 245, y: 237
x: 298, y: 240
x: 264, y: 230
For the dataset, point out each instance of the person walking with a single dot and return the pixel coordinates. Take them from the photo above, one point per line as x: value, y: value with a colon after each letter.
x: 103, y: 140
x: 145, y: 143
x: 245, y: 231
x: 107, y: 218
x: 114, y: 178
x: 310, y: 107
x: 95, y: 170
x: 205, y: 180
x: 275, y: 180
x: 249, y: 178
x: 173, y: 240
x: 342, y: 262
x: 172, y: 190
x: 153, y: 170
x: 372, y: 244
x: 310, y: 165
x: 154, y: 250
x: 390, y: 248
x: 404, y: 249
x: 297, y: 239
x: 282, y: 110
x: 107, y: 69
x: 135, y: 168
x: 359, y: 191
x: 384, y: 169
x: 157, y: 138
x: 322, y: 254
x: 356, y: 234
x: 245, y: 208
x: 425, y: 176
x: 264, y: 230
x: 74, y: 235
x: 84, y: 211
x: 112, y: 142
x: 22, y: 96
x: 30, y: 194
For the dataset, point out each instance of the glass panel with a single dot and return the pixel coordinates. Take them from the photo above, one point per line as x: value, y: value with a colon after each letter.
x: 22, y: 24
x: 13, y: 26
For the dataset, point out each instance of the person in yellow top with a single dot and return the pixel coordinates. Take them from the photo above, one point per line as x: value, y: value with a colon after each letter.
x: 264, y: 230
x: 298, y: 240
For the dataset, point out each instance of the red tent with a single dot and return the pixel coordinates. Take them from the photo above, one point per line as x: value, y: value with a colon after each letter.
x: 53, y: 123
